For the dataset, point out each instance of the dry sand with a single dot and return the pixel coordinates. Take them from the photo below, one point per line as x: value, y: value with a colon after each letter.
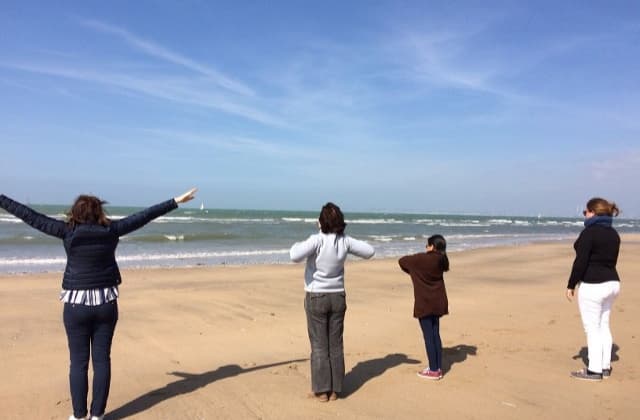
x: 231, y: 343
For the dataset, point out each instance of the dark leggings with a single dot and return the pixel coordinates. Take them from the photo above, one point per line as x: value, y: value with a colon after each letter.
x: 89, y: 333
x: 431, y: 331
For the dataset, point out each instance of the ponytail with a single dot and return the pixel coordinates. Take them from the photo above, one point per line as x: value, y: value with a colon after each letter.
x: 440, y: 244
x: 444, y: 262
x: 602, y: 207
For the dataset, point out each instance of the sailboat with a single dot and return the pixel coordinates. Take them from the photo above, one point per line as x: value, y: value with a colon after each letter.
x: 201, y: 206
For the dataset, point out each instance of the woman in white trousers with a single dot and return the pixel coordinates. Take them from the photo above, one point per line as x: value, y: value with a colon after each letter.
x: 594, y: 268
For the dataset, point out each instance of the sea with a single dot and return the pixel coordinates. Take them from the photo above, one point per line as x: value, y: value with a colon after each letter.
x: 189, y: 237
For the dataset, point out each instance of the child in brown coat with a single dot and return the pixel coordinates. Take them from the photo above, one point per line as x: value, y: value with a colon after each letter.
x: 426, y: 270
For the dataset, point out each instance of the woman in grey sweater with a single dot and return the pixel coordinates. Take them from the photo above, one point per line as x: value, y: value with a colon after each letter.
x: 325, y: 300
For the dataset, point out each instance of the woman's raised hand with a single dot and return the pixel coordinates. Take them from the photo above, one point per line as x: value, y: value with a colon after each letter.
x: 189, y: 195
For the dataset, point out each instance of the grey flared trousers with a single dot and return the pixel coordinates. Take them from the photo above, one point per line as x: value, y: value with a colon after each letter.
x: 325, y: 324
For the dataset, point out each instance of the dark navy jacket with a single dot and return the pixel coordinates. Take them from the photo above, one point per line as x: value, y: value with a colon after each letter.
x: 90, y: 248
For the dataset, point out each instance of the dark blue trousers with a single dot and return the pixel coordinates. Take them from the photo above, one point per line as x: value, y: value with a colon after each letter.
x: 431, y: 331
x: 90, y: 333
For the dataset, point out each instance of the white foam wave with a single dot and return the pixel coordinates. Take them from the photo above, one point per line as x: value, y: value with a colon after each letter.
x: 630, y: 225
x: 375, y: 222
x: 478, y: 236
x: 566, y: 223
x: 32, y: 261
x: 9, y: 219
x: 194, y: 219
x: 473, y: 223
x: 381, y: 238
x: 148, y: 257
x: 203, y: 254
x: 429, y: 221
x: 299, y: 219
x: 500, y: 221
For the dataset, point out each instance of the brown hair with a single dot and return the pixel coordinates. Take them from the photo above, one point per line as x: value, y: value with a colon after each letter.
x: 331, y: 219
x: 602, y: 207
x: 87, y: 209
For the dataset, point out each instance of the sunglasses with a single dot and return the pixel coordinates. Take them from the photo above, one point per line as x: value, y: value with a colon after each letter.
x: 584, y: 212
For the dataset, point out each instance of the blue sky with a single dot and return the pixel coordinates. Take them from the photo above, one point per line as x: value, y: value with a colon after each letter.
x: 477, y: 107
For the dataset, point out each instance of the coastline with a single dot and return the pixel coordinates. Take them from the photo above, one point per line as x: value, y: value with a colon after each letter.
x: 230, y: 342
x: 626, y: 238
x: 242, y: 237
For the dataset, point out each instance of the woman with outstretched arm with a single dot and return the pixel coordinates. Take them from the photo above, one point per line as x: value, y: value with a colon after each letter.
x: 90, y: 286
x: 325, y: 301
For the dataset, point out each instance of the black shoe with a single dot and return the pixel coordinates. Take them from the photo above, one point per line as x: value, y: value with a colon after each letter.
x: 586, y: 375
x: 606, y: 373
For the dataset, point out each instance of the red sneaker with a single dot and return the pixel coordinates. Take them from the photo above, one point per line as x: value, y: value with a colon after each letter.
x: 430, y: 374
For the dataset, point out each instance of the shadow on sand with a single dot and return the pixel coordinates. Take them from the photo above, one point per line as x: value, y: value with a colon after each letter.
x: 456, y: 354
x: 189, y: 383
x: 584, y: 354
x: 367, y: 370
x: 363, y: 372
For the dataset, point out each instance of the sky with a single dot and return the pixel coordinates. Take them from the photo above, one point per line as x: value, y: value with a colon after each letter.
x: 501, y: 108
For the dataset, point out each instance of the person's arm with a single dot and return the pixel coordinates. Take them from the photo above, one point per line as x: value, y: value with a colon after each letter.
x: 405, y: 263
x: 301, y: 250
x: 360, y: 248
x: 581, y: 262
x: 44, y: 224
x: 137, y: 220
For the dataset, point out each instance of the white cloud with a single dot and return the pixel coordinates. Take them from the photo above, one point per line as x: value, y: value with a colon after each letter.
x: 184, y: 90
x: 163, y: 53
x: 235, y: 143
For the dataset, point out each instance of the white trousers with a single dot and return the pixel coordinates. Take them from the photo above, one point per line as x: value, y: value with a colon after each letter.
x: 595, y: 301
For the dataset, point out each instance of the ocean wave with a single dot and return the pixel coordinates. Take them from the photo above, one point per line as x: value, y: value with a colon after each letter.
x: 20, y: 239
x: 174, y: 237
x: 201, y: 254
x: 473, y: 223
x: 182, y: 236
x: 381, y: 238
x: 148, y: 257
x: 348, y: 221
x: 564, y: 223
x: 9, y: 219
x: 221, y: 220
x: 375, y: 221
x: 299, y: 219
x: 32, y: 261
x: 500, y: 221
x: 482, y: 236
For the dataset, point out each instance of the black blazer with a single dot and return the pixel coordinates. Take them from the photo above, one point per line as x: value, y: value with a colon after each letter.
x: 90, y: 248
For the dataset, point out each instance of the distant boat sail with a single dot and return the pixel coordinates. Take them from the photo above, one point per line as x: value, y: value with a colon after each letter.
x: 201, y: 206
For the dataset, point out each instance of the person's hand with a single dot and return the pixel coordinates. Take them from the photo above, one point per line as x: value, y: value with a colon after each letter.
x: 570, y: 293
x: 188, y: 196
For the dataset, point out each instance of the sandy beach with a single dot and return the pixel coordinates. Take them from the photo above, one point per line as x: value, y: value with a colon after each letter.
x: 230, y: 342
